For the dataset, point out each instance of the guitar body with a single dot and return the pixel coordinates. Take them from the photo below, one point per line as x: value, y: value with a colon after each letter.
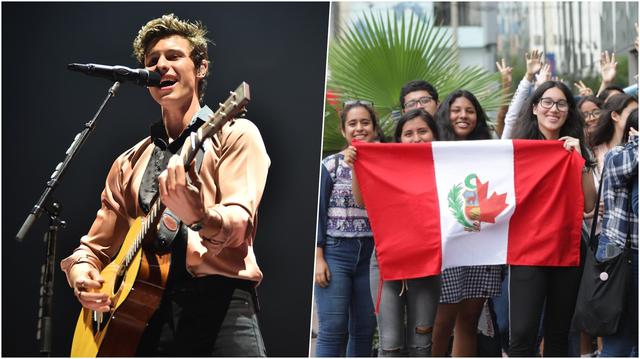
x: 135, y: 295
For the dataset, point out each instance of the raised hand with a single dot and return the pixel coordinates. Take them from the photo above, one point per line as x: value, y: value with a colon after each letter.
x: 505, y: 72
x: 583, y: 90
x: 544, y: 75
x: 608, y: 67
x: 533, y: 62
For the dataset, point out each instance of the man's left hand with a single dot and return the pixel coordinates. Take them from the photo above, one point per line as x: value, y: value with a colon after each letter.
x: 182, y: 198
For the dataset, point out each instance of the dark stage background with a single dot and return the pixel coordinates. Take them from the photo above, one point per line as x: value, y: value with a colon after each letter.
x: 278, y: 48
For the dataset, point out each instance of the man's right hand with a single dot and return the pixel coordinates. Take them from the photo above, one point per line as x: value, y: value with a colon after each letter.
x: 86, y: 282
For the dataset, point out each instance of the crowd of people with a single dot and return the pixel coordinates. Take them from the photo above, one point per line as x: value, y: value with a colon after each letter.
x: 530, y: 308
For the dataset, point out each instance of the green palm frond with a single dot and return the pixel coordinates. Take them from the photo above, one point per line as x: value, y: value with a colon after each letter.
x: 378, y: 53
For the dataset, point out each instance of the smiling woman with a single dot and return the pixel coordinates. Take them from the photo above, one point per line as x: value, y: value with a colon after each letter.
x: 464, y: 289
x: 549, y: 114
x: 344, y: 247
x: 461, y: 117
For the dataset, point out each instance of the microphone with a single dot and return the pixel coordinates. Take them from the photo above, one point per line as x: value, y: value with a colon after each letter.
x: 141, y: 77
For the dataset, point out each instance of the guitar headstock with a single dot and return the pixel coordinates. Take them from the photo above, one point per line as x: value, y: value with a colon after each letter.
x: 233, y: 106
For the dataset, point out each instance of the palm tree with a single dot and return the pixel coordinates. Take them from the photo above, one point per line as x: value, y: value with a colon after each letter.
x: 375, y: 55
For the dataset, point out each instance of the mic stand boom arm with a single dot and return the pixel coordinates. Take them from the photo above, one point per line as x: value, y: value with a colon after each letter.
x: 60, y: 169
x: 53, y: 208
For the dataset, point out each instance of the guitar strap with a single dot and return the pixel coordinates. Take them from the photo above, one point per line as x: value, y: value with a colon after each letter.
x: 170, y: 225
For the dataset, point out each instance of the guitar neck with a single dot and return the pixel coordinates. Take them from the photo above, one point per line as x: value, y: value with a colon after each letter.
x: 150, y: 221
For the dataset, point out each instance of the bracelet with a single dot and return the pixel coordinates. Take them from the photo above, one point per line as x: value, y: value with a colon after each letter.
x: 80, y: 260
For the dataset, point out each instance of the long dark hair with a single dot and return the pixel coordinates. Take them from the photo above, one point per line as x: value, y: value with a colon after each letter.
x: 417, y: 113
x: 480, y: 132
x: 526, y: 126
x: 605, y: 128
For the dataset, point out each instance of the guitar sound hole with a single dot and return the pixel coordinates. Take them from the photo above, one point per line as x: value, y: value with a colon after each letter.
x: 118, y: 282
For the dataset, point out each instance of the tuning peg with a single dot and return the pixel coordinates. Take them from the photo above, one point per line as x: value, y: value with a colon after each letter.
x: 234, y: 104
x: 221, y: 104
x: 233, y: 93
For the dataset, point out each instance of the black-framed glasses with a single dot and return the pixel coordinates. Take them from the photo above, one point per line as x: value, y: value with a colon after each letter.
x: 562, y: 105
x: 422, y: 101
x: 357, y: 102
x: 594, y: 114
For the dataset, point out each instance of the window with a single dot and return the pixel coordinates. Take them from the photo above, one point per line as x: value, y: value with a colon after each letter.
x: 469, y: 14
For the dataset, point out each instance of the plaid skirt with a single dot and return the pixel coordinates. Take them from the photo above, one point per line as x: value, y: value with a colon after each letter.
x: 460, y: 283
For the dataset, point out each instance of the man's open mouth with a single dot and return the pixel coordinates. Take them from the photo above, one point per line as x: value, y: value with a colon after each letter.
x: 167, y: 83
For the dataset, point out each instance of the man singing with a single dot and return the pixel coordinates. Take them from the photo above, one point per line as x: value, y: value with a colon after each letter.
x: 209, y: 303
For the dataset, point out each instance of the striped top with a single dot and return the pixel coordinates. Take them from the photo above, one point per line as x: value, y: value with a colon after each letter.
x: 344, y: 217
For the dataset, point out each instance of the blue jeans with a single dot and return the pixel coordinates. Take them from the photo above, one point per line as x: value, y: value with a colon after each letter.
x: 346, y: 319
x: 419, y: 302
x: 625, y: 342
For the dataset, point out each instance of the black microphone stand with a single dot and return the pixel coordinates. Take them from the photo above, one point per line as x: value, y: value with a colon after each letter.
x: 52, y: 207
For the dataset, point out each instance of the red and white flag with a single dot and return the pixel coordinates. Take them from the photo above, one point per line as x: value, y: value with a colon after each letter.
x: 444, y: 204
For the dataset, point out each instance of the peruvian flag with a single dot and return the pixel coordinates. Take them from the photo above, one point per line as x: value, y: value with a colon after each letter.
x: 445, y: 204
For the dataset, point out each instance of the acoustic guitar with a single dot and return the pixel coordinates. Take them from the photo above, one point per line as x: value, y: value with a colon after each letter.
x: 136, y: 277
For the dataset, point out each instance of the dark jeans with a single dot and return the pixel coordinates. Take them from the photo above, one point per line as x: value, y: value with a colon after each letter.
x: 501, y: 309
x: 207, y: 316
x: 346, y: 319
x: 529, y: 287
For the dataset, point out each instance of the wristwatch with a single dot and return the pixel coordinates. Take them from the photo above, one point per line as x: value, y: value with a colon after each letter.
x: 195, y: 226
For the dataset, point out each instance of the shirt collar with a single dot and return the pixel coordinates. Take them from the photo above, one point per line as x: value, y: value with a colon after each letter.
x: 161, y: 139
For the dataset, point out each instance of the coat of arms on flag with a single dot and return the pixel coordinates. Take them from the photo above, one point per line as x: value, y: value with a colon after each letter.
x: 470, y: 206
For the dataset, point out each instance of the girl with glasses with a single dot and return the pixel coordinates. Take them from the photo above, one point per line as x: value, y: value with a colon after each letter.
x: 550, y: 114
x: 590, y: 109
